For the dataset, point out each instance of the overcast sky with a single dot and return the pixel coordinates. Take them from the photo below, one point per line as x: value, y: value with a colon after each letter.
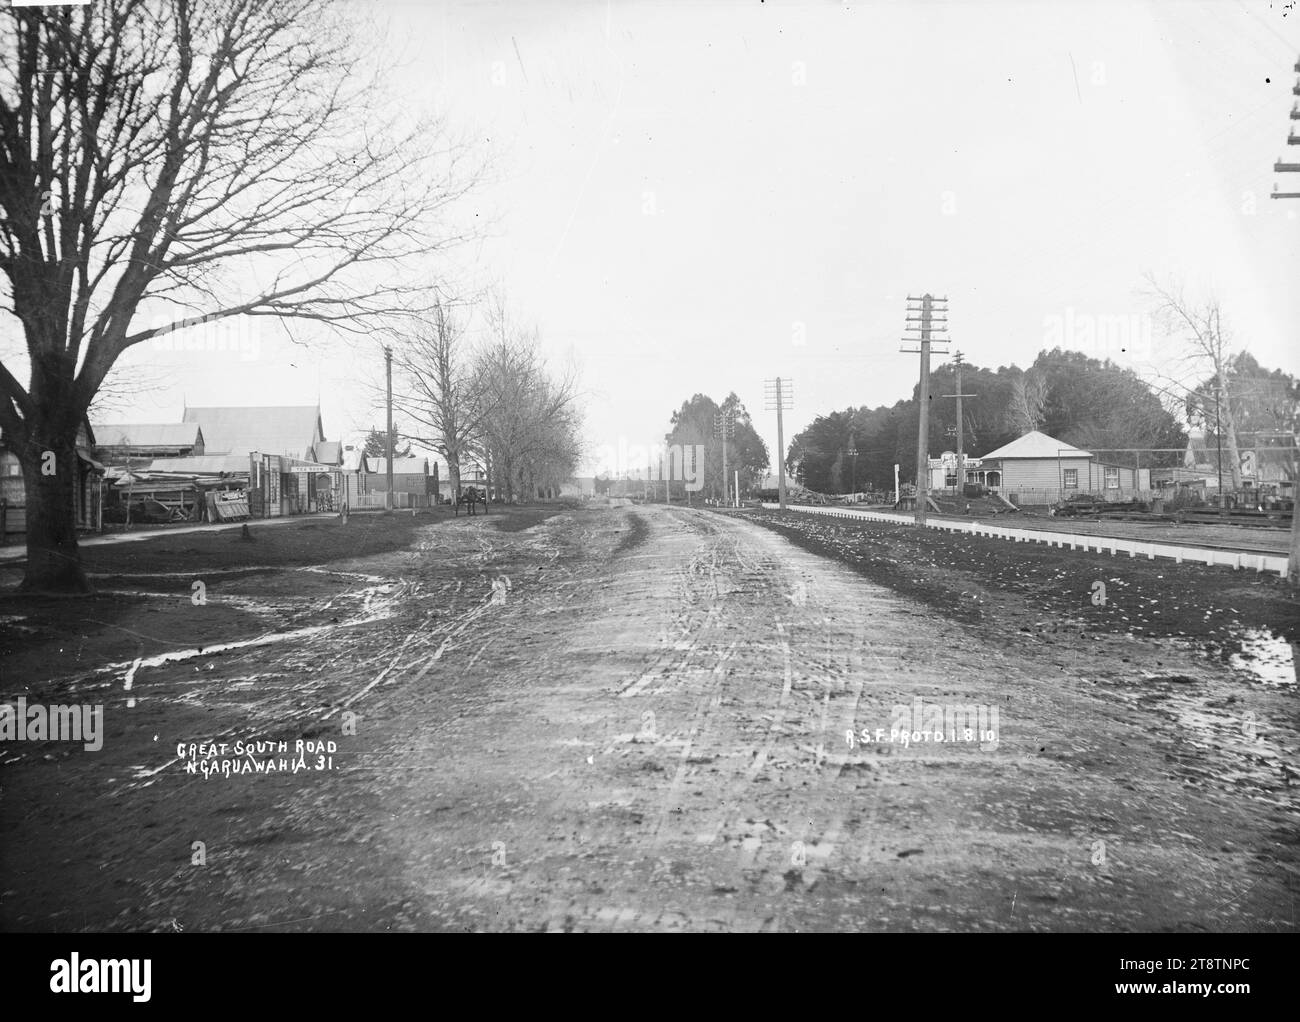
x: 694, y: 197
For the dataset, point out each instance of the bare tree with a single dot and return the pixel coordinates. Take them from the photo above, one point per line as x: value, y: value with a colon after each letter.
x: 552, y: 444
x: 530, y: 422
x: 1027, y: 410
x: 441, y: 393
x: 1208, y: 351
x: 163, y: 163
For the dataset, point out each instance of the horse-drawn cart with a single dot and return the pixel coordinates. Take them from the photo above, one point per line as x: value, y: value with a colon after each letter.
x: 470, y: 496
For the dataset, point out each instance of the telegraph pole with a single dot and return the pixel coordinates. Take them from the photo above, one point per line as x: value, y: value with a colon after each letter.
x: 666, y: 470
x: 926, y: 307
x: 852, y: 452
x: 779, y: 395
x: 1292, y: 139
x: 961, y: 456
x: 388, y: 366
x: 1218, y: 439
x: 724, y: 425
x: 1293, y: 559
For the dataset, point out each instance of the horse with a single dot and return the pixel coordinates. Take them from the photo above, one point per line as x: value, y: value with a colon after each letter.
x: 470, y: 496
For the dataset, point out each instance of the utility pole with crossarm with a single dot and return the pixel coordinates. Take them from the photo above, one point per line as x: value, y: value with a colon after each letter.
x: 1292, y: 139
x: 778, y: 394
x: 961, y: 456
x: 925, y: 308
x: 724, y: 426
x: 1293, y: 562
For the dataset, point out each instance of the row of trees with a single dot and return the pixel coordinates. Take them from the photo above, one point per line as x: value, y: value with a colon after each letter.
x: 168, y: 163
x: 1092, y: 404
x: 495, y: 402
x: 1214, y: 387
x: 695, y: 423
x: 165, y: 163
x: 696, y: 437
x: 1080, y: 400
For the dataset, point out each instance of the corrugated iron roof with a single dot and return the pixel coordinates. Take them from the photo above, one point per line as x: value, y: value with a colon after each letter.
x: 291, y: 430
x: 329, y: 452
x: 148, y: 434
x: 1037, y: 445
x: 206, y: 464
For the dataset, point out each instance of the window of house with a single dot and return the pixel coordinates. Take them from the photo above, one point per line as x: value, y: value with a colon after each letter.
x: 1071, y: 478
x: 1112, y: 478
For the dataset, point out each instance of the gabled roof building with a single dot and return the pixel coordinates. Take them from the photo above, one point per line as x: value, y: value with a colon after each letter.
x: 120, y: 443
x: 293, y: 431
x: 1040, y: 469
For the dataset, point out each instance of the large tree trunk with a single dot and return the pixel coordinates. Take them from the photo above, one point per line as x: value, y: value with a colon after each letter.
x: 53, y: 560
x: 453, y: 475
x: 1229, y: 427
x: 504, y: 474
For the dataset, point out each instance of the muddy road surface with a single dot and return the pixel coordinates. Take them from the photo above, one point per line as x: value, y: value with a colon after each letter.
x: 638, y: 719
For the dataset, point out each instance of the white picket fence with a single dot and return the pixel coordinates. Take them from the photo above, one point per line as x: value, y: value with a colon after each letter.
x: 1101, y: 544
x: 375, y: 501
x: 1024, y: 496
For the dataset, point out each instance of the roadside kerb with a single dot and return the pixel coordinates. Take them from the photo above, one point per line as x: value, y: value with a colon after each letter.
x: 1208, y: 556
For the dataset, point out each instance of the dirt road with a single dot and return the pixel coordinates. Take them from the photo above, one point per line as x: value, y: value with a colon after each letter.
x: 639, y: 718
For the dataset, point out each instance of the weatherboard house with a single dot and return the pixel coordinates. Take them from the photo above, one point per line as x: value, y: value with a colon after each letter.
x: 87, y: 508
x: 943, y: 472
x: 1040, y: 469
x: 410, y: 475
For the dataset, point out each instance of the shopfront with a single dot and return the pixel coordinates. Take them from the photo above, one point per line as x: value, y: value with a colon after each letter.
x: 321, y: 486
x: 280, y: 486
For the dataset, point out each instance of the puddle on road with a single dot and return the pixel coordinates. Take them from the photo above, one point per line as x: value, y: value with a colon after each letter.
x: 372, y: 610
x: 1226, y: 745
x: 377, y: 603
x: 383, y: 599
x: 1267, y: 657
x: 1255, y: 656
x: 1221, y: 746
x: 377, y: 580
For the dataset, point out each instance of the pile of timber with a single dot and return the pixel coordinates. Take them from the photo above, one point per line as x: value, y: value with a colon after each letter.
x: 1235, y: 516
x: 796, y: 494
x: 1108, y: 508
